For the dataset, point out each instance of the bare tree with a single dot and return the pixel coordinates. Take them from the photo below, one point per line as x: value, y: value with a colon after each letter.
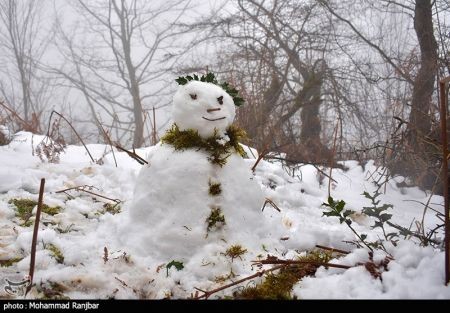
x: 282, y: 45
x: 120, y: 65
x: 22, y: 46
x: 412, y: 152
x: 424, y: 83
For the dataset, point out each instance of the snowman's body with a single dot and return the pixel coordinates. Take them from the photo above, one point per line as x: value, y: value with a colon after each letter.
x: 172, y: 196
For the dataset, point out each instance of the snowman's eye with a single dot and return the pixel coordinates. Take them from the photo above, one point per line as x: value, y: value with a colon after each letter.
x: 193, y: 96
x: 220, y: 100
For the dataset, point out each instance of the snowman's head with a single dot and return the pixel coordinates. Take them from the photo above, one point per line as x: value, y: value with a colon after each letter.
x: 203, y: 107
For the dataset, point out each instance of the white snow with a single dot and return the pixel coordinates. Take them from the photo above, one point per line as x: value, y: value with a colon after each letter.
x: 81, y: 231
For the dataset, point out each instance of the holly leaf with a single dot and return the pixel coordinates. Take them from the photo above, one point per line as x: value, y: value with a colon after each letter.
x: 238, y: 101
x: 330, y: 213
x: 367, y: 195
x: 348, y: 212
x: 386, y: 206
x: 210, y: 78
x: 340, y: 206
x: 181, y: 81
x: 178, y: 265
x: 385, y: 217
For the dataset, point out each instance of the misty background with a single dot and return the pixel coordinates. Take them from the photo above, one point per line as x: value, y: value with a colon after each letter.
x: 323, y: 80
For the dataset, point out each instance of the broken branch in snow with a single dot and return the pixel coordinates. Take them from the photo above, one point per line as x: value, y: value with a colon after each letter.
x: 207, y: 294
x: 332, y: 249
x: 260, y: 157
x: 272, y: 204
x: 294, y: 262
x: 132, y: 154
x: 83, y: 189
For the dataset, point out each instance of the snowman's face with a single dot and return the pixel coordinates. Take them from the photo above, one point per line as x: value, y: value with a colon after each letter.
x: 203, y: 107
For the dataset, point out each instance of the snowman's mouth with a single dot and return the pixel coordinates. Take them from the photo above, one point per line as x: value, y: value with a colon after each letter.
x: 213, y: 119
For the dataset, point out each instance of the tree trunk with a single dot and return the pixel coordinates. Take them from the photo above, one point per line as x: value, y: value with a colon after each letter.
x: 310, y: 142
x: 311, y: 127
x: 138, y: 139
x: 423, y: 88
x: 418, y: 158
x: 133, y: 86
x: 308, y: 99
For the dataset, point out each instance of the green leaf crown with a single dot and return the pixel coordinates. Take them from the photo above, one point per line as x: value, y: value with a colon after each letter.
x: 211, y: 78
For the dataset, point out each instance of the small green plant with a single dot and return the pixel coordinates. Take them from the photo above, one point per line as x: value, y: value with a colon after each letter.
x: 24, y: 209
x: 50, y: 290
x: 66, y: 229
x: 379, y: 213
x: 112, y: 208
x: 337, y: 209
x: 214, y: 189
x: 177, y: 264
x: 55, y: 252
x: 235, y: 251
x: 215, y: 219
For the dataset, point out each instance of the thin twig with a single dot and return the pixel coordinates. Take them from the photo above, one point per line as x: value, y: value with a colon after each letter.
x: 132, y: 154
x: 332, y: 159
x: 260, y: 157
x: 35, y: 234
x: 76, y: 133
x: 303, y: 162
x: 105, y: 134
x: 293, y: 262
x: 272, y: 204
x: 332, y: 249
x: 124, y: 284
x: 82, y: 188
x: 409, y: 232
x: 434, y: 210
x: 422, y: 228
x: 154, y: 127
x: 207, y: 294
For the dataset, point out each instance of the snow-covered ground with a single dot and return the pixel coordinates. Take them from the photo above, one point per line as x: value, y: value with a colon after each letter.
x: 98, y: 264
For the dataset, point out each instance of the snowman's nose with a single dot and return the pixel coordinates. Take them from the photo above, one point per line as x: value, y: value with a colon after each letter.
x: 212, y: 110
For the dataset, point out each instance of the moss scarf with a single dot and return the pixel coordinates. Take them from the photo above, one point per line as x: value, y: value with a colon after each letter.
x: 216, y: 146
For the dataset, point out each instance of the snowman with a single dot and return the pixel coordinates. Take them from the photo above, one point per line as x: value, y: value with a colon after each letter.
x: 196, y: 188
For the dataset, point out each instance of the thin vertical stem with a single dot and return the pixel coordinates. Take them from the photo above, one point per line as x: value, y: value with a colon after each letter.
x: 332, y: 160
x: 35, y: 234
x: 443, y: 100
x: 154, y: 128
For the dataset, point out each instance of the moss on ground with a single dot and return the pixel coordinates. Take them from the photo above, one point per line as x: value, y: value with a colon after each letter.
x: 24, y: 209
x: 278, y: 286
x: 9, y: 262
x: 235, y: 251
x: 55, y: 252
